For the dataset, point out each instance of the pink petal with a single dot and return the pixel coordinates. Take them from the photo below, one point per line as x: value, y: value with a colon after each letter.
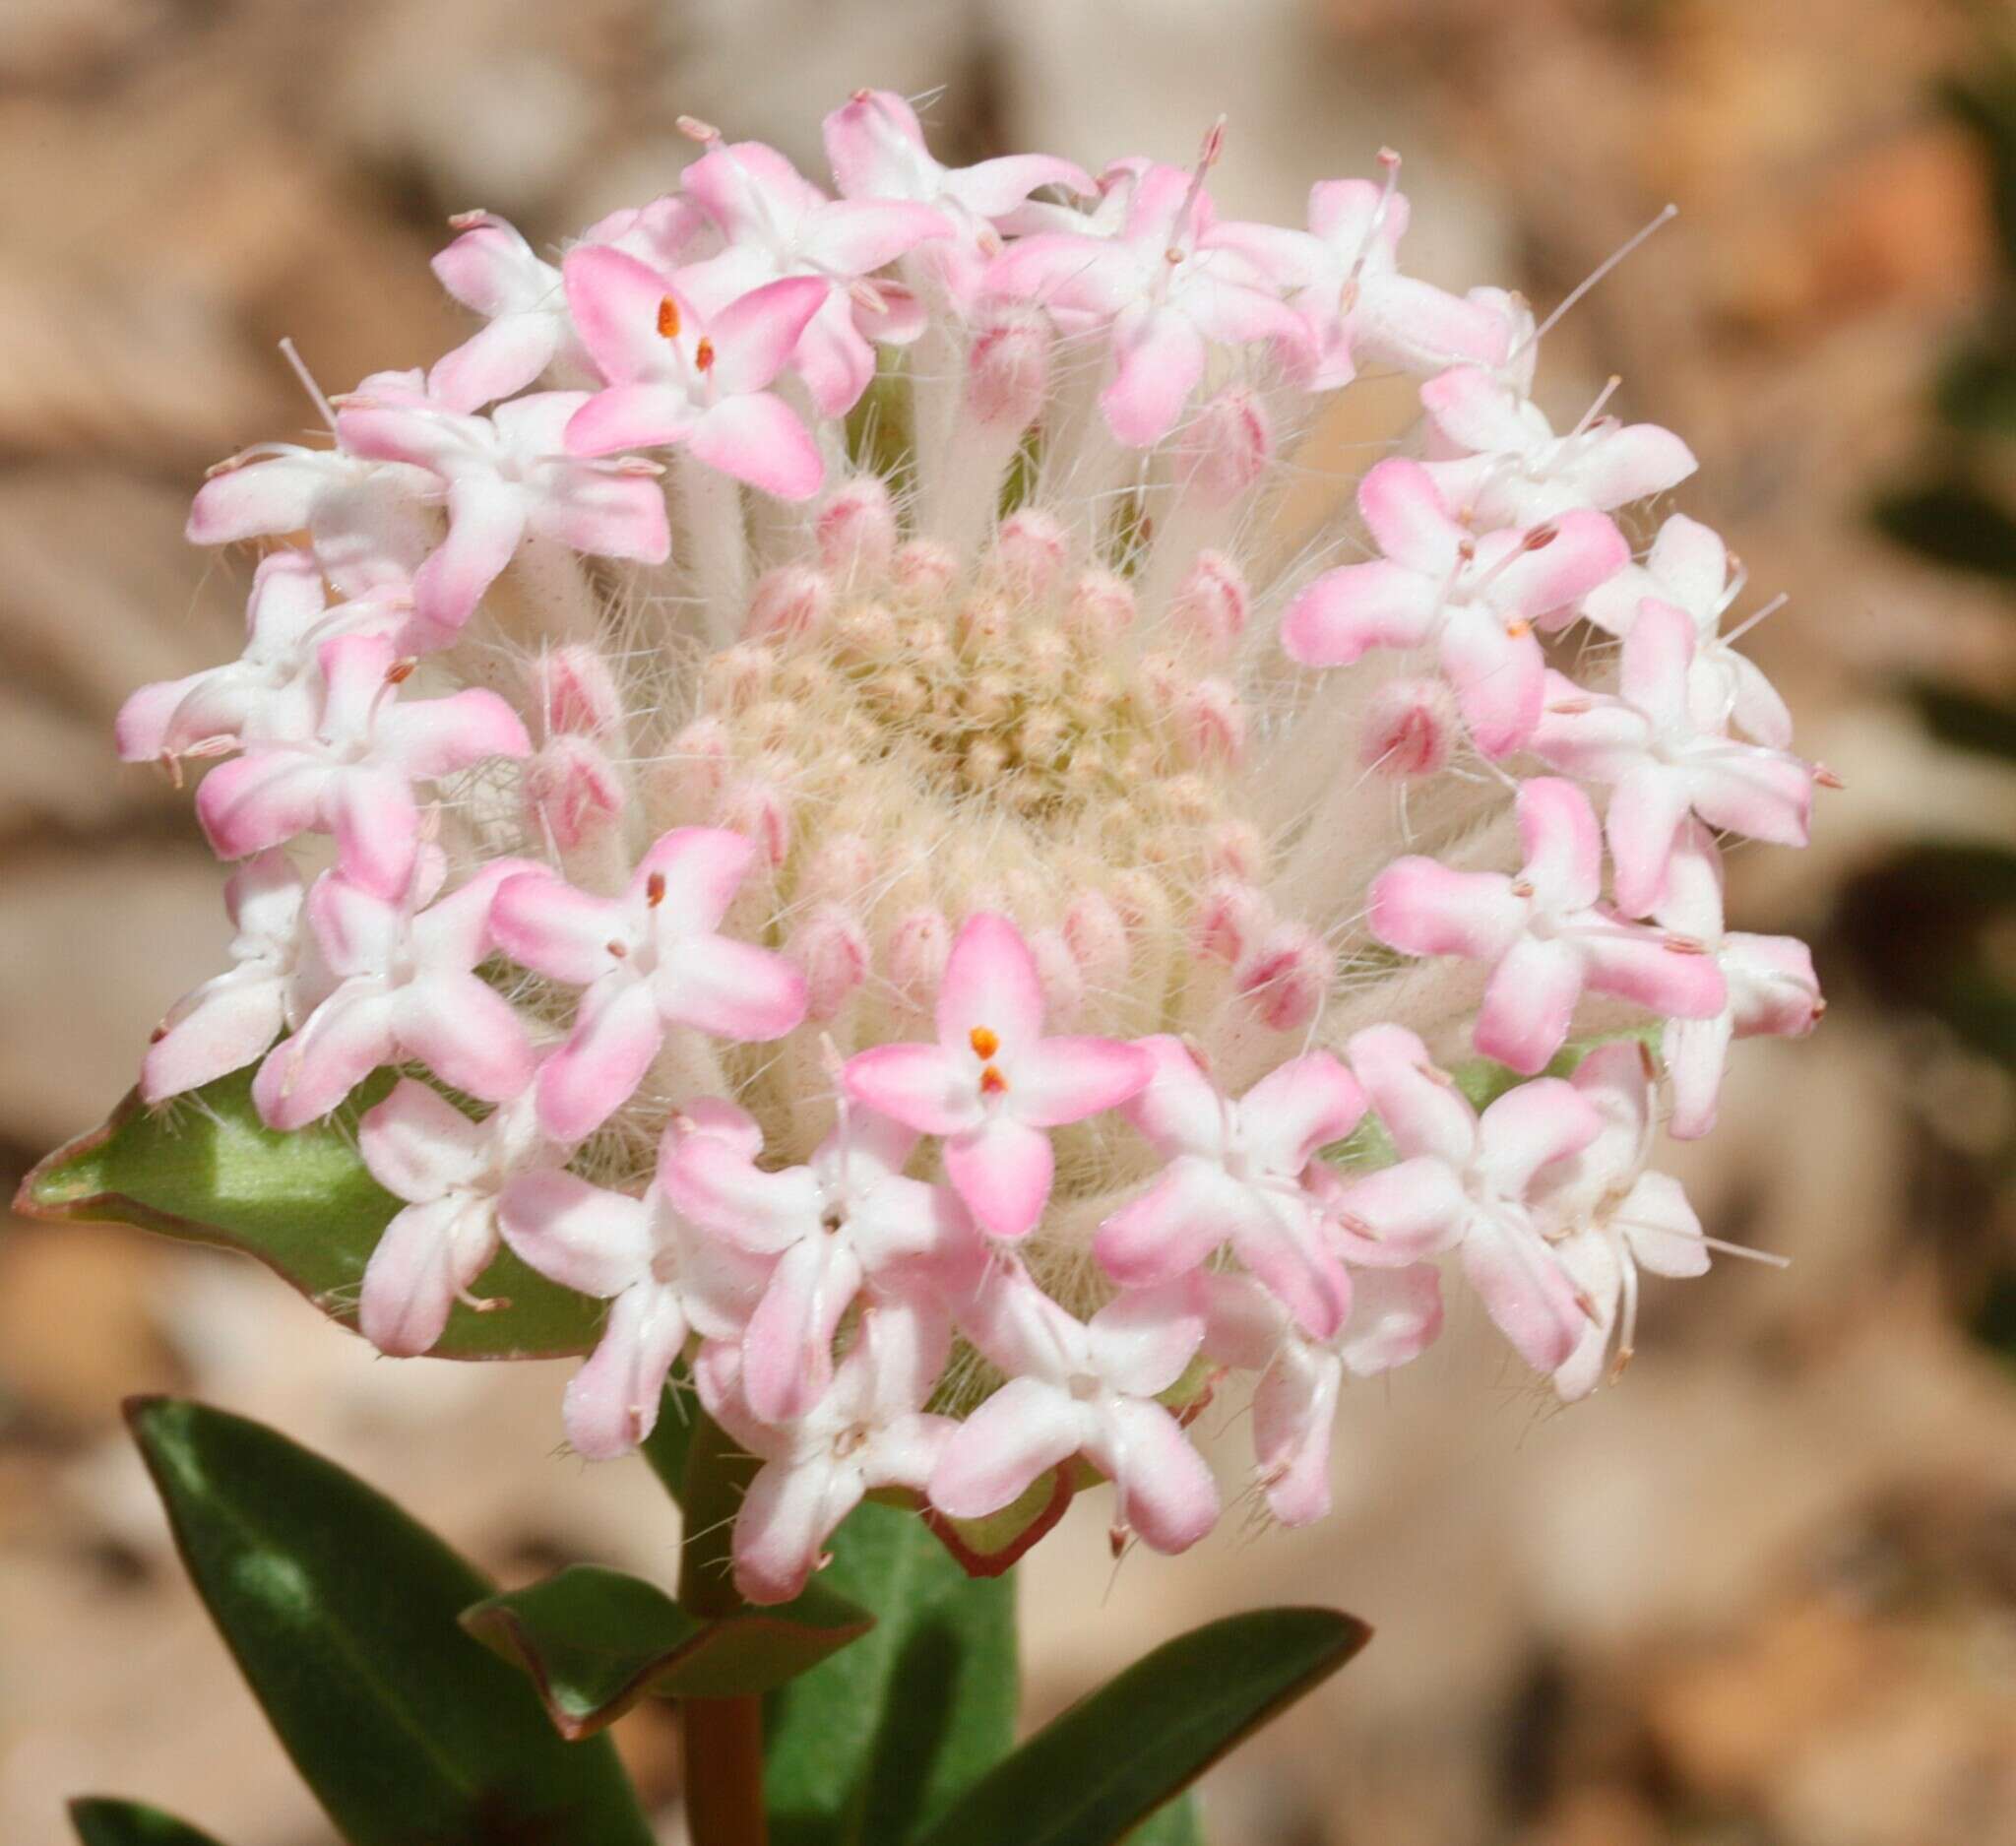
x: 755, y: 335
x: 1476, y: 411
x: 1646, y: 811
x: 919, y: 1085
x: 990, y: 984
x: 1345, y: 612
x: 1421, y: 1108
x: 615, y: 300
x: 639, y: 415
x: 545, y: 924
x: 415, y: 1272
x: 1159, y: 356
x: 468, y: 1034
x: 1423, y: 908
x: 1411, y: 1207
x: 1171, y: 1228
x: 1695, y: 1051
x: 341, y: 1042
x: 1633, y: 463
x: 377, y: 827
x: 1527, y: 1127
x: 995, y: 188
x: 1656, y: 654
x: 607, y: 516
x: 418, y: 1145
x: 260, y: 800
x: 1294, y: 1409
x: 1754, y: 792
x: 759, y: 439
x: 1298, y: 1107
x: 1642, y: 969
x: 1002, y: 1170
x: 854, y: 237
x: 1562, y: 843
x: 1396, y: 1315
x: 787, y: 1350
x: 1280, y: 1241
x: 717, y: 1185
x: 700, y: 869
x: 429, y: 739
x: 1024, y: 1429
x: 613, y: 1401
x: 1165, y: 1490
x: 1499, y: 677
x: 1524, y: 1291
x: 277, y: 494
x: 1407, y: 516
x: 232, y: 1022
x: 616, y: 1033
x: 787, y: 1516
x: 1179, y: 1109
x: 1061, y: 1081
x: 730, y: 988
x: 579, y: 1236
x: 1560, y: 563
x: 1528, y: 1003
x: 497, y: 361
x: 1400, y: 321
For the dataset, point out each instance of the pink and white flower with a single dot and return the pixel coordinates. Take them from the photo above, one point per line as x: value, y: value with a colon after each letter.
x: 650, y: 961
x: 507, y: 477
x: 865, y: 1429
x: 1462, y: 1184
x: 1545, y: 933
x: 1235, y: 1173
x: 1476, y: 601
x: 351, y: 769
x: 1082, y: 1389
x: 403, y: 986
x: 847, y: 1219
x: 1662, y: 765
x: 491, y: 269
x: 676, y: 377
x: 451, y: 1171
x: 993, y: 1086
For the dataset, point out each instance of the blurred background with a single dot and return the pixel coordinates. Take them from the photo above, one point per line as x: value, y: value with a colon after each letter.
x: 1764, y: 1592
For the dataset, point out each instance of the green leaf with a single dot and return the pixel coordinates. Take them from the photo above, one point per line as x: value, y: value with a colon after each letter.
x: 1177, y: 1824
x: 100, y: 1821
x: 987, y: 1546
x: 671, y: 1440
x: 205, y: 1168
x: 1104, y: 1766
x: 1952, y: 524
x: 866, y: 1749
x: 1965, y: 722
x: 597, y: 1640
x: 341, y: 1613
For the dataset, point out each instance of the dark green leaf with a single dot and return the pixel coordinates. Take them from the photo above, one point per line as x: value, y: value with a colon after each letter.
x: 342, y: 1613
x: 1965, y: 722
x: 105, y: 1822
x: 203, y: 1168
x: 866, y: 1749
x: 1178, y: 1824
x: 1102, y: 1768
x: 670, y: 1440
x: 1952, y: 524
x: 597, y: 1640
x: 985, y: 1548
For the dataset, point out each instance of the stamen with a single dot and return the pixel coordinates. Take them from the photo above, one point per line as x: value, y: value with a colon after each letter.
x: 694, y: 129
x: 992, y: 1083
x: 703, y: 356
x: 669, y: 318
x: 1666, y: 215
x: 1595, y: 411
x: 400, y: 672
x: 984, y: 1043
x: 309, y: 383
x: 655, y: 889
x: 1748, y: 623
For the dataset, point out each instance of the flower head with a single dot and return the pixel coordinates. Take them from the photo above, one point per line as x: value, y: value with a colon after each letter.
x: 921, y: 913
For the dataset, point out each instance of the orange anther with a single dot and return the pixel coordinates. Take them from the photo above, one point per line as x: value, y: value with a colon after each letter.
x: 669, y: 318
x: 992, y: 1083
x: 703, y: 355
x: 984, y: 1043
x: 655, y: 889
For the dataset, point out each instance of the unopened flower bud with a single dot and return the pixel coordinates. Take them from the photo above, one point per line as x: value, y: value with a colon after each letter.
x: 1213, y: 721
x: 1057, y: 969
x: 1097, y: 941
x: 791, y: 599
x: 840, y: 868
x: 831, y: 949
x: 1411, y: 727
x: 695, y: 769
x: 924, y: 570
x: 761, y: 811
x: 918, y: 945
x: 576, y: 691
x: 1230, y: 445
x: 573, y: 792
x: 1008, y: 368
x: 856, y: 528
x: 1211, y: 603
x: 1031, y: 549
x: 1287, y: 976
x: 1099, y: 608
x: 1231, y: 919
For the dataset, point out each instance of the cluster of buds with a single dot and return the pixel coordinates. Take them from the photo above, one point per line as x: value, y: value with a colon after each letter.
x: 908, y: 902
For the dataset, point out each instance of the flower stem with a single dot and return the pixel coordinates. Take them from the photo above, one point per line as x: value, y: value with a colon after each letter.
x: 721, y: 1738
